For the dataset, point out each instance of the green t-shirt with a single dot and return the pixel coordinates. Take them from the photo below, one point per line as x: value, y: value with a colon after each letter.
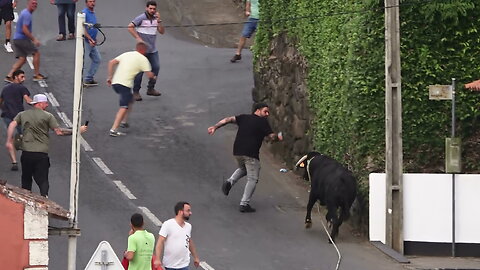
x: 254, y: 13
x: 142, y: 243
x: 36, y: 123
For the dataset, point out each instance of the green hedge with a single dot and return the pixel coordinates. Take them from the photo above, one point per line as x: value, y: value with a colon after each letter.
x: 343, y: 43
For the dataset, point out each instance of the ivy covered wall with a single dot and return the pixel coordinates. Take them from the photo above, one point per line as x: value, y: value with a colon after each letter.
x: 342, y: 43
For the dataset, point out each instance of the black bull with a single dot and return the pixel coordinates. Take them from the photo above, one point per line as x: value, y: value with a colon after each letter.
x: 331, y: 184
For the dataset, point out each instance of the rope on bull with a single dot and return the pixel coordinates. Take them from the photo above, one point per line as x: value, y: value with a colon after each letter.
x: 331, y: 240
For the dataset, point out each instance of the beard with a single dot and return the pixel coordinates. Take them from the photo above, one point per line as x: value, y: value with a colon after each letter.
x: 186, y: 218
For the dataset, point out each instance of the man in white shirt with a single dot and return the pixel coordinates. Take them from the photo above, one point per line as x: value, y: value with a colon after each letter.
x: 175, y: 241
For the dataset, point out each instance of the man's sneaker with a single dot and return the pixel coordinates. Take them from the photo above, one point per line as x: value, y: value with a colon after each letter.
x: 14, y: 167
x: 39, y: 77
x: 153, y: 92
x: 124, y: 125
x: 60, y: 37
x: 247, y: 209
x: 90, y: 83
x: 116, y: 133
x: 226, y: 186
x: 8, y: 79
x: 71, y: 36
x: 137, y: 96
x: 235, y: 58
x: 8, y: 47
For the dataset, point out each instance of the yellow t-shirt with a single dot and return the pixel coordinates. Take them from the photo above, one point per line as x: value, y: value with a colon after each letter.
x: 130, y: 64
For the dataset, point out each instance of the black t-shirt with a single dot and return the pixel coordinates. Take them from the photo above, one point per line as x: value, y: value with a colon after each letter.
x: 12, y: 96
x: 252, y: 129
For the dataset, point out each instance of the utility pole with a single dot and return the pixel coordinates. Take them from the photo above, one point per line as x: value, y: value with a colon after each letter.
x: 76, y: 137
x: 393, y: 127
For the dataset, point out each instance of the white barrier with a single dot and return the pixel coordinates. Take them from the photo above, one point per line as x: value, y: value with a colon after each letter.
x: 427, y: 209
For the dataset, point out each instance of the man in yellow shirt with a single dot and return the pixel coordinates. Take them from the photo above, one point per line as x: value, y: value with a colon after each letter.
x: 128, y: 64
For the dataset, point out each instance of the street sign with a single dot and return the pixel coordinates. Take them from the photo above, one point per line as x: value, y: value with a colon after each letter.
x: 104, y: 258
x: 440, y: 92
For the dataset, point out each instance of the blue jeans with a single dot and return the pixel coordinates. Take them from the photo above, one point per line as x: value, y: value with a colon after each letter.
x: 70, y: 10
x: 155, y: 63
x: 250, y: 167
x: 7, y: 122
x: 95, y: 58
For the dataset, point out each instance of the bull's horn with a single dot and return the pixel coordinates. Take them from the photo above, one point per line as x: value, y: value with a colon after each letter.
x: 301, y: 160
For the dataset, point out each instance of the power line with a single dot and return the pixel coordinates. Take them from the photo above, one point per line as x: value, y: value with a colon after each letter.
x: 296, y: 18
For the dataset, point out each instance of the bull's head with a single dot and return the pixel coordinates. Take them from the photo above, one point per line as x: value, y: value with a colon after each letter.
x: 303, y: 163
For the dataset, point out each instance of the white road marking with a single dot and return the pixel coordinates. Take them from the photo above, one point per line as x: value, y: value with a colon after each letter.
x: 151, y: 216
x: 43, y: 83
x: 30, y: 61
x: 52, y: 99
x: 65, y: 119
x: 125, y: 190
x: 102, y: 165
x: 86, y: 146
x: 205, y: 266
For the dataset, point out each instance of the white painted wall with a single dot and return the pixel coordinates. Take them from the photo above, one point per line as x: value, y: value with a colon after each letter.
x: 428, y: 208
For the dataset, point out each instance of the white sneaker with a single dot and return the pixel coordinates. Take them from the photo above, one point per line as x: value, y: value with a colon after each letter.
x: 8, y: 47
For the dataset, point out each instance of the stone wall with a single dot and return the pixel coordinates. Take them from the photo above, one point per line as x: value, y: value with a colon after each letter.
x: 280, y: 81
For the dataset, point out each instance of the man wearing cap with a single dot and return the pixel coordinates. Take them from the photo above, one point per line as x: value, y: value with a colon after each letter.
x: 252, y: 129
x: 36, y: 124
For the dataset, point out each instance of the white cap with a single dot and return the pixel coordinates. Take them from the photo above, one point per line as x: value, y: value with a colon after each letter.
x: 39, y: 98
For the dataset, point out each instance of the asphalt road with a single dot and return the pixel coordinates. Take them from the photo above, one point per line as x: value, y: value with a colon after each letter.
x: 167, y: 156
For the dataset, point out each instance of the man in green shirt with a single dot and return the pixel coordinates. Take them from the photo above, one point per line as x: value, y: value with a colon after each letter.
x: 140, y: 245
x: 253, y: 14
x: 36, y: 123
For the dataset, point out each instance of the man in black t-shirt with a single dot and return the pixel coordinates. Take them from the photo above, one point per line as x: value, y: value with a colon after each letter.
x: 252, y: 129
x: 11, y: 102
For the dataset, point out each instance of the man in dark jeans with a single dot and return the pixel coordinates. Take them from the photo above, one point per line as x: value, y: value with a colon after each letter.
x: 36, y: 124
x: 65, y: 7
x: 252, y: 129
x: 144, y: 28
x: 11, y: 102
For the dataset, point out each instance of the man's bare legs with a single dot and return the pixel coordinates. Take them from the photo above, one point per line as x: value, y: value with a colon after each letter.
x: 17, y: 65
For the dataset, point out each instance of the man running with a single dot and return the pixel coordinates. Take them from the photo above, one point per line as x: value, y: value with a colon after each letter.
x: 128, y: 64
x: 25, y: 44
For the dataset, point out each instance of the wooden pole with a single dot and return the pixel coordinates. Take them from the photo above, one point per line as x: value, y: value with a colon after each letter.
x: 393, y: 127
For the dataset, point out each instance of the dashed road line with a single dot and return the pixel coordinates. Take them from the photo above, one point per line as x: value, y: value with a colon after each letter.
x: 85, y: 145
x: 52, y: 99
x: 151, y: 216
x: 102, y: 165
x: 65, y: 119
x: 125, y: 190
x: 30, y: 61
x: 206, y: 266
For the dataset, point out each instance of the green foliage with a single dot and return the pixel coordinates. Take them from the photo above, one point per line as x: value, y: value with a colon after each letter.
x: 343, y: 43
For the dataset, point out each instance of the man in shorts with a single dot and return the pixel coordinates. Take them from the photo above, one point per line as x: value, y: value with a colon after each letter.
x: 6, y: 15
x: 251, y: 11
x: 128, y: 64
x: 25, y: 44
x: 11, y: 101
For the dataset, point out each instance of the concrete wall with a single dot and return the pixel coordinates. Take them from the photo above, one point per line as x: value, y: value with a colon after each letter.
x: 24, y: 236
x: 14, y: 249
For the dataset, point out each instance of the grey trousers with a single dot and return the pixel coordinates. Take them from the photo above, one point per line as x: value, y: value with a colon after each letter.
x: 251, y: 168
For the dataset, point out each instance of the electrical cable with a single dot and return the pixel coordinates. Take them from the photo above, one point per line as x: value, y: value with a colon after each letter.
x: 314, y: 17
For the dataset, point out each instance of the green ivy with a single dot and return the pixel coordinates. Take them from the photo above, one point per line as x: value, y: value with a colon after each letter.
x: 343, y: 44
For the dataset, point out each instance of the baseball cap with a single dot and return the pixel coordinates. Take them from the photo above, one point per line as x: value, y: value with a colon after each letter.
x: 39, y: 98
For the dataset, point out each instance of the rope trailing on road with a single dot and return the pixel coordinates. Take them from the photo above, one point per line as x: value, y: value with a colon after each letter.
x: 331, y: 240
